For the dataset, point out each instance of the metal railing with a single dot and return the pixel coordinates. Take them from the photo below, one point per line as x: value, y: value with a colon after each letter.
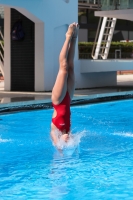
x: 116, y: 4
x: 110, y: 56
x: 2, y: 53
x: 96, y: 37
x: 85, y: 56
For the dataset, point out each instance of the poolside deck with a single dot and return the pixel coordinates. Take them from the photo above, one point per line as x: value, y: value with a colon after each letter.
x: 124, y: 89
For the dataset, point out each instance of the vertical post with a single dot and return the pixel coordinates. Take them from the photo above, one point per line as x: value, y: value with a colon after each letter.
x: 7, y: 44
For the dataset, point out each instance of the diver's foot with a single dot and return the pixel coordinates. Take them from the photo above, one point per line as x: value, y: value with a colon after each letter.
x: 70, y: 31
x: 75, y: 34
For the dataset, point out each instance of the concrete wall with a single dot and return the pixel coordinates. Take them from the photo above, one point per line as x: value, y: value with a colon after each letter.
x: 51, y: 21
x: 98, y: 73
x: 83, y: 35
x: 90, y: 76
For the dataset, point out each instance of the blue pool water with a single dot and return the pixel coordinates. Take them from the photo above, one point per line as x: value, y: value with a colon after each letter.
x: 100, y: 168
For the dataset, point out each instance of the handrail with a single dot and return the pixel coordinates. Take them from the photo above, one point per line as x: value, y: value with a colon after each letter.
x: 2, y: 45
x: 95, y: 41
x: 1, y: 54
x: 1, y: 35
x: 1, y: 67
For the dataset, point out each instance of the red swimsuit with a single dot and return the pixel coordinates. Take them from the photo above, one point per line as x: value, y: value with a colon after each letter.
x: 62, y: 119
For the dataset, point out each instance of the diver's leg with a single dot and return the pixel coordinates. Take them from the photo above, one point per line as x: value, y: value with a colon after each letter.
x: 60, y: 87
x: 71, y: 76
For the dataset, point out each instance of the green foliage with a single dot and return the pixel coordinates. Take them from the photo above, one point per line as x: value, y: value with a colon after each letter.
x: 126, y: 47
x: 85, y: 47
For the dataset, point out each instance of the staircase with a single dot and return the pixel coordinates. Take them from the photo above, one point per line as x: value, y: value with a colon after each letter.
x: 1, y: 54
x: 102, y: 43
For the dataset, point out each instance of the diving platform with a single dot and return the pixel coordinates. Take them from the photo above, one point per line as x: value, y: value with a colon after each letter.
x: 109, y: 65
x: 126, y: 14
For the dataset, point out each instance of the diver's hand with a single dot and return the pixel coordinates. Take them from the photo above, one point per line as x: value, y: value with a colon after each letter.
x: 65, y: 137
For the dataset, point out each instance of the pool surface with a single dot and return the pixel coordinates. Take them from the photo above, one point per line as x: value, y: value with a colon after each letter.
x: 101, y: 167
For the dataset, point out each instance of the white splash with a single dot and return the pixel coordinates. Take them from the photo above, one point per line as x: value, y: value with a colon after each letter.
x: 4, y: 140
x: 69, y: 147
x: 123, y: 134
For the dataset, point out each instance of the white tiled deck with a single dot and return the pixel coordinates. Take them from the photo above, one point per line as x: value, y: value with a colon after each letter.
x: 124, y: 83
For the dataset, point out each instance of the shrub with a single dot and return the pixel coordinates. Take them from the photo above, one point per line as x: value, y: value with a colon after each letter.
x: 126, y: 47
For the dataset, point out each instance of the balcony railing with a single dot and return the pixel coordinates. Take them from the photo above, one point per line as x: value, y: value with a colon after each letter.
x: 106, y: 4
x: 89, y: 4
x: 116, y: 4
x: 89, y: 1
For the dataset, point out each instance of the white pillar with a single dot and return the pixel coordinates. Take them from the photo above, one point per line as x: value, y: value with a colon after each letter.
x: 7, y: 44
x: 39, y: 56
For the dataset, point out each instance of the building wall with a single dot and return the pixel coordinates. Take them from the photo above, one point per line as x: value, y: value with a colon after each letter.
x: 51, y: 20
x: 53, y: 14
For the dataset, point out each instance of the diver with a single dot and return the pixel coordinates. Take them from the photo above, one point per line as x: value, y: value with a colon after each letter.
x: 63, y: 89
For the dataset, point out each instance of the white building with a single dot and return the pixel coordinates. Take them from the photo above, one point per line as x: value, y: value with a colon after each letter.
x: 32, y: 64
